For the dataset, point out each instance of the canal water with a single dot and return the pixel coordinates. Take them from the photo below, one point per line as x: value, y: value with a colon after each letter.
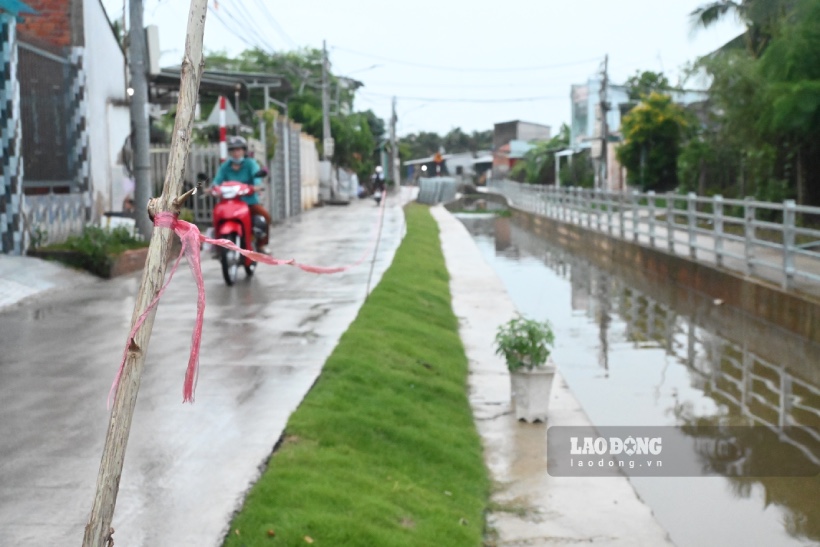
x: 632, y: 359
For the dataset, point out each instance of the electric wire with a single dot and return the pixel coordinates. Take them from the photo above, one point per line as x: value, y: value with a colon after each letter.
x: 261, y: 4
x: 468, y: 99
x: 470, y: 69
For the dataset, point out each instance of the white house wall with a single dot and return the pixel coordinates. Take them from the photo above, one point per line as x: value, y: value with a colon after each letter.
x: 108, y: 117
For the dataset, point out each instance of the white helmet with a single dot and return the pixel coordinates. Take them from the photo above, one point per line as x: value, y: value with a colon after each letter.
x: 379, y: 169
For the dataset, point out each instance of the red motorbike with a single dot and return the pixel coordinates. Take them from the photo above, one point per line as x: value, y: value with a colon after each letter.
x: 232, y: 221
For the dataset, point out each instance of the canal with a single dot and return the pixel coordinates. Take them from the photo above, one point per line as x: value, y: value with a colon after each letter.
x: 636, y: 353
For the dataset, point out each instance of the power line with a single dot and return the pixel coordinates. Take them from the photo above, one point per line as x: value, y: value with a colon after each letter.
x: 460, y: 86
x: 229, y: 28
x: 280, y: 30
x: 469, y: 69
x: 470, y: 100
x: 243, y: 28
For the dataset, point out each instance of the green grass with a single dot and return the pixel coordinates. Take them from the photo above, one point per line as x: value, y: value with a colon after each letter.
x: 383, y: 451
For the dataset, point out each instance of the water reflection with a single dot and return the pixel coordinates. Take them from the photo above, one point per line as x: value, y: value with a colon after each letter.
x: 707, y: 367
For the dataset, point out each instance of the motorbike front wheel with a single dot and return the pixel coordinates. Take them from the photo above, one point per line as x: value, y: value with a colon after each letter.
x: 230, y: 260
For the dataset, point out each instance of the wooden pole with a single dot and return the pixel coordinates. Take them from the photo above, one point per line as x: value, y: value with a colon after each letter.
x: 98, y: 531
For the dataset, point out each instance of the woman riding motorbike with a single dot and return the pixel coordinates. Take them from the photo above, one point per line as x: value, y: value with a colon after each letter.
x: 241, y: 168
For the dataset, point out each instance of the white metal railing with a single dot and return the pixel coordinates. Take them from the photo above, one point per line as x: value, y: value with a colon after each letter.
x: 758, y: 237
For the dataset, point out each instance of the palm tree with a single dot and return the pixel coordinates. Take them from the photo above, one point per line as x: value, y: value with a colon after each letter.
x: 759, y: 16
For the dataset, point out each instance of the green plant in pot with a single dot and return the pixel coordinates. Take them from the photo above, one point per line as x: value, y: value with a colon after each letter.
x: 526, y: 345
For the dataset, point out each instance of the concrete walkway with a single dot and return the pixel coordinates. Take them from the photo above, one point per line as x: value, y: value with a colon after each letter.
x: 534, y: 509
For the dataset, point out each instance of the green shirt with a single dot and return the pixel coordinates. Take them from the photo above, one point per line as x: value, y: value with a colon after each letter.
x: 245, y: 173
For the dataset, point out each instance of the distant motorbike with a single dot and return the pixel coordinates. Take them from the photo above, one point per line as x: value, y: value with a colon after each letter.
x: 377, y: 195
x: 232, y: 221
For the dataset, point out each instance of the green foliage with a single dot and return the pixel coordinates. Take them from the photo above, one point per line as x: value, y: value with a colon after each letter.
x: 383, y: 450
x: 653, y: 131
x: 96, y: 248
x: 763, y: 132
x: 538, y: 164
x: 38, y: 236
x: 524, y: 343
x: 643, y: 84
x: 579, y: 172
x: 424, y: 143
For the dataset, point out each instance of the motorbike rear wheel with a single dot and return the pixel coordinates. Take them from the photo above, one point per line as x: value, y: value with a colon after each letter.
x: 230, y: 260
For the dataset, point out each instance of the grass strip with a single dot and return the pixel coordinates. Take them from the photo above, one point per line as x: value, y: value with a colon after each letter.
x: 383, y: 450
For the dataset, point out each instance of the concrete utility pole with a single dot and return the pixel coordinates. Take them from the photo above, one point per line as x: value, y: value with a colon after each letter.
x: 327, y: 138
x: 394, y: 149
x: 140, y: 137
x: 98, y: 531
x: 604, y: 128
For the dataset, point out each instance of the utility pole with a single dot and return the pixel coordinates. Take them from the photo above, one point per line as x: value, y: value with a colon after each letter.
x: 327, y: 138
x: 604, y: 128
x: 140, y: 138
x: 394, y: 149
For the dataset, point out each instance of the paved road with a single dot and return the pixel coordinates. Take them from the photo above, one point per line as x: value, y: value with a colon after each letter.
x: 187, y: 467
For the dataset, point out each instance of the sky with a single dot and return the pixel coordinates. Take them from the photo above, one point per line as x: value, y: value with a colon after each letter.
x: 457, y: 63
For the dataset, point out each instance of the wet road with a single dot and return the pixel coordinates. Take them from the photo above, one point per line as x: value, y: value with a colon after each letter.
x: 187, y: 467
x: 634, y: 355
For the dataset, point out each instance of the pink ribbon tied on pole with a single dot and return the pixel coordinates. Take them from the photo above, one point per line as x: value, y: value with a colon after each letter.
x: 191, y: 239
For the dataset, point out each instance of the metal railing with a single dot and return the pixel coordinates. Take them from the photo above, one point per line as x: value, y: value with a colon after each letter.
x: 756, y: 237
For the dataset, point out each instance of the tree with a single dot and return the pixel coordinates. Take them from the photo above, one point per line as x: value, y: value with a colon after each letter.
x: 759, y: 16
x: 644, y: 83
x: 538, y: 164
x: 791, y: 67
x: 652, y: 134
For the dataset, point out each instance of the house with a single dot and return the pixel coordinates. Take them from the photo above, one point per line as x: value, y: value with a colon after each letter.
x: 64, y: 160
x: 505, y: 132
x: 586, y: 127
x: 511, y: 140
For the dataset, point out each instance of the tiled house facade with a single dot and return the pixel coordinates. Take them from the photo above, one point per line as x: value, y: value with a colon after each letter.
x: 64, y: 188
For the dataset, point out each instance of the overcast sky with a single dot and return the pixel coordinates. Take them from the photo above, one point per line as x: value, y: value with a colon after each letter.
x: 457, y: 63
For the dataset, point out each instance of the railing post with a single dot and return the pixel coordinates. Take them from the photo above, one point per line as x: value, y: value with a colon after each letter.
x: 608, y: 198
x: 717, y: 208
x: 691, y: 222
x: 636, y: 219
x: 670, y: 221
x: 599, y: 201
x: 785, y: 406
x: 621, y: 227
x: 750, y: 233
x: 789, y: 232
x: 576, y: 206
x: 650, y: 196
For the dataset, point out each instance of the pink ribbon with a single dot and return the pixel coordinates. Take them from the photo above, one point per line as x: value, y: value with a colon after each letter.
x: 191, y: 238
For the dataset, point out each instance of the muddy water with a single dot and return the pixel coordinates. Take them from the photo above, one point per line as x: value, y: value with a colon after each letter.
x: 635, y: 355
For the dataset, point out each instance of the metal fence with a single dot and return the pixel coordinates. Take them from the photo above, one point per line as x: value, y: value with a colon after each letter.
x: 437, y: 189
x: 760, y: 237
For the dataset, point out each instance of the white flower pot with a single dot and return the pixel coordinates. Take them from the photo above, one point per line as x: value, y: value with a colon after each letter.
x: 531, y: 392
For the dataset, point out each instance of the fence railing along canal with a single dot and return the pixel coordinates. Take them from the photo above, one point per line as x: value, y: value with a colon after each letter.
x: 755, y: 237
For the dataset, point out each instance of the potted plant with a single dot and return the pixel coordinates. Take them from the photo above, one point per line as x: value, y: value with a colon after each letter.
x: 526, y: 345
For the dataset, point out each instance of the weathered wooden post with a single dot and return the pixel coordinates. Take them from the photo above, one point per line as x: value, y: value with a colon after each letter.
x: 98, y: 531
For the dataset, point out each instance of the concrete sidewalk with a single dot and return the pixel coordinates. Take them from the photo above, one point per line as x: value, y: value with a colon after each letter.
x: 535, y: 509
x: 23, y: 277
